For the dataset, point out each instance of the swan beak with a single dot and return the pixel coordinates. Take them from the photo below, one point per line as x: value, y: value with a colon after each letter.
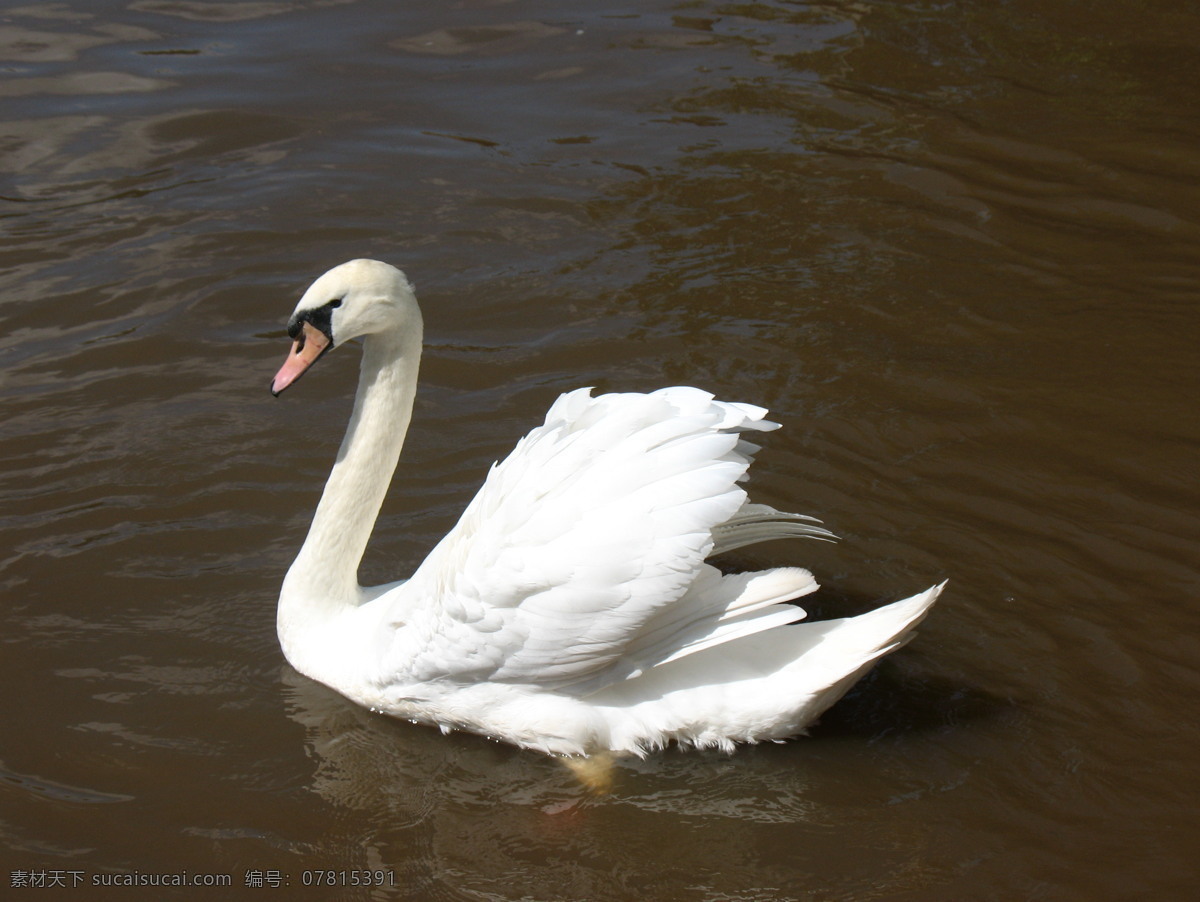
x: 310, y: 344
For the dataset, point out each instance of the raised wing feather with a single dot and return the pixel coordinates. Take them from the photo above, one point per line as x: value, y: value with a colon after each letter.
x: 598, y: 519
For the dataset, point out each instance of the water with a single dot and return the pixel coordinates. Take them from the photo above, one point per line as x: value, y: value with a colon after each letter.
x: 954, y: 248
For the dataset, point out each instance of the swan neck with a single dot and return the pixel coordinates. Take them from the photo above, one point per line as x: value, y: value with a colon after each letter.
x: 324, y: 577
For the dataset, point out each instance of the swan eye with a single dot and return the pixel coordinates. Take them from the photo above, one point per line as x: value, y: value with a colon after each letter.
x: 336, y: 302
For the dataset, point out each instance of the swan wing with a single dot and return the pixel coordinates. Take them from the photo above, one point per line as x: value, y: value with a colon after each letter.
x: 568, y: 558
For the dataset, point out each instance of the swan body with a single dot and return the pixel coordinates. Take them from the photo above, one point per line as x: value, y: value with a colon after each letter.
x: 571, y: 609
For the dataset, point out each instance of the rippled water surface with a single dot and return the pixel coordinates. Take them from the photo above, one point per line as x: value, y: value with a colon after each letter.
x: 954, y: 247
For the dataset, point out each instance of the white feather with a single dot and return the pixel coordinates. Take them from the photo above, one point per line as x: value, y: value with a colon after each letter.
x: 570, y: 609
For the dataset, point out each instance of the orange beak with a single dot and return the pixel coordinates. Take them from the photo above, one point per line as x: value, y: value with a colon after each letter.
x: 308, y: 346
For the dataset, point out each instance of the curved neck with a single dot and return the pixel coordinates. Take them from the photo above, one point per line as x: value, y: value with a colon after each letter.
x: 324, y: 577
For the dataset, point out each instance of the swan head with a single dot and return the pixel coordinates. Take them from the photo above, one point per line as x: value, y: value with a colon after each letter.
x: 354, y: 300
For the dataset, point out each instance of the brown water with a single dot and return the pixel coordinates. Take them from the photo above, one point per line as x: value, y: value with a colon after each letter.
x: 954, y: 247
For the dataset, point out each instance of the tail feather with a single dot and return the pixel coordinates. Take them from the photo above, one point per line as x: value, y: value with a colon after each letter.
x: 716, y: 610
x: 756, y: 606
x: 771, y: 685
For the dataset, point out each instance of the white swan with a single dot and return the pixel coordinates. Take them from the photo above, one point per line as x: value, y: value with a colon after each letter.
x: 570, y: 610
